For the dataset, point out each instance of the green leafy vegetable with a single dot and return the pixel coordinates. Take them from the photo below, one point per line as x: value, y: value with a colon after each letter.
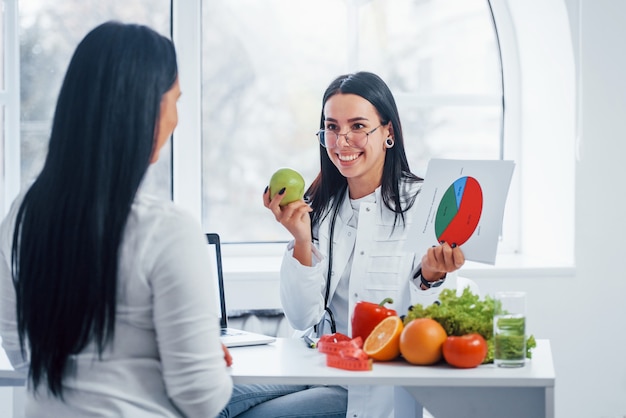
x: 465, y: 314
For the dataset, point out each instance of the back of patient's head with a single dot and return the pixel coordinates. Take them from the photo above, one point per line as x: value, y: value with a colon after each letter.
x: 109, y: 101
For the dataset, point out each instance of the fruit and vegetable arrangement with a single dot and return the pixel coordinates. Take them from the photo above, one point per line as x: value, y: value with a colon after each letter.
x: 458, y: 330
x: 463, y: 315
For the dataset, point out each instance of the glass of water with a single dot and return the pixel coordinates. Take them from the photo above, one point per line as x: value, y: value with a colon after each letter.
x: 509, y: 329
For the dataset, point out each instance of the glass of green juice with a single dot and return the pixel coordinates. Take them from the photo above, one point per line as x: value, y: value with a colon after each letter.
x: 509, y: 329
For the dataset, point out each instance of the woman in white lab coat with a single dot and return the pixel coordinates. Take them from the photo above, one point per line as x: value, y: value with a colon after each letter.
x: 349, y: 235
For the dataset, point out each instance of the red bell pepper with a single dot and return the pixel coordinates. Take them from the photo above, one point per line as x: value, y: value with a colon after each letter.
x: 367, y: 315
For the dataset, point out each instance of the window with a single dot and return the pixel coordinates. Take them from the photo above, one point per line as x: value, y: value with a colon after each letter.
x: 539, y: 122
x: 266, y: 64
x: 9, y: 103
x: 49, y: 33
x: 3, y: 103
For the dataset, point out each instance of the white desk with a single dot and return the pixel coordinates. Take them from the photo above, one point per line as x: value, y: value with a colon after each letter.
x: 486, y: 391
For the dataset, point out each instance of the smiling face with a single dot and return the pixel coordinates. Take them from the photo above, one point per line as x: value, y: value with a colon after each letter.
x: 362, y: 167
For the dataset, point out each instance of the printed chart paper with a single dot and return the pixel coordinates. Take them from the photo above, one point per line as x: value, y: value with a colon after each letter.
x: 462, y: 202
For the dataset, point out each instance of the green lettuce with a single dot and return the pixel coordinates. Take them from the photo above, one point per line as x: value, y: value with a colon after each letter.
x: 464, y: 314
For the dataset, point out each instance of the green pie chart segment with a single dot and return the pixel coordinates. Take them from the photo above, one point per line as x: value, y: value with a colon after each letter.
x: 459, y: 211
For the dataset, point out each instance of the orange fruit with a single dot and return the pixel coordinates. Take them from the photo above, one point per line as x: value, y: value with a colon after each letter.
x: 421, y: 341
x: 383, y: 343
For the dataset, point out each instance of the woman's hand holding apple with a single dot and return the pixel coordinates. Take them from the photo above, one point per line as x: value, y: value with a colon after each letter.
x: 294, y: 216
x: 296, y: 219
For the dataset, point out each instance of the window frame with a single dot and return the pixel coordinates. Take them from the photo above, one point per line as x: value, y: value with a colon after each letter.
x: 186, y: 140
x: 10, y: 101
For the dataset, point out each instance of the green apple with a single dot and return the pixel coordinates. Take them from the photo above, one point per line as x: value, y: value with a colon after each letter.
x: 293, y: 183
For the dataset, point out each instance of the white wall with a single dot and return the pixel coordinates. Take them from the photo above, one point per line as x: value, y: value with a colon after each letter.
x: 583, y: 315
x: 595, y: 362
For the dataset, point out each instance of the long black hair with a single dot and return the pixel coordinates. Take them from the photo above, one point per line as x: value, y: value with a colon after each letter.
x: 71, y: 221
x: 330, y: 185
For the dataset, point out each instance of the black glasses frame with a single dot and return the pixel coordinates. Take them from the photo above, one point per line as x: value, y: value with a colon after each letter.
x: 321, y: 136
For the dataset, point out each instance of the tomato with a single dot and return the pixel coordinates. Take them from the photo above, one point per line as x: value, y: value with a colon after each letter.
x: 466, y: 351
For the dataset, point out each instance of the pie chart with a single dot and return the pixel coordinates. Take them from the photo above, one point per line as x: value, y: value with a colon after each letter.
x: 459, y: 211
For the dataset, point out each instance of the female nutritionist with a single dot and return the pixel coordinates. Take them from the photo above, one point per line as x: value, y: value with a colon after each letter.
x: 348, y: 243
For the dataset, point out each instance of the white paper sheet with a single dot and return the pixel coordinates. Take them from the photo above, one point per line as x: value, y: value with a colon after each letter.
x: 462, y: 202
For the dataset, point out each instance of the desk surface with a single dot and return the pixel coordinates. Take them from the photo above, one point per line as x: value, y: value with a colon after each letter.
x: 486, y: 390
x: 289, y: 361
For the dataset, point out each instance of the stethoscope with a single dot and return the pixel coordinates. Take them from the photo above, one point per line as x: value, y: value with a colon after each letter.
x: 329, y: 312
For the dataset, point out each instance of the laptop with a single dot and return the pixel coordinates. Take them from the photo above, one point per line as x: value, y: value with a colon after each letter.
x: 230, y: 337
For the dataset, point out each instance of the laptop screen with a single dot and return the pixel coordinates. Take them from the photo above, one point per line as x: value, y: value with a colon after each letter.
x: 229, y: 337
x: 217, y: 279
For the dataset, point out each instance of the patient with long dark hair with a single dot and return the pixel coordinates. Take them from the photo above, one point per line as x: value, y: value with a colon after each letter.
x: 103, y: 298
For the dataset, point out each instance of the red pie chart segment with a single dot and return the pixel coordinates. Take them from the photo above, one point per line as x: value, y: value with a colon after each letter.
x: 459, y: 211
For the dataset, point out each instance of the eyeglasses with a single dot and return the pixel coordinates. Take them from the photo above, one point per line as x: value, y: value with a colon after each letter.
x: 358, y: 138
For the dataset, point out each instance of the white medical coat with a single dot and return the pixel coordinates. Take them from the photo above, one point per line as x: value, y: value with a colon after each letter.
x: 381, y: 268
